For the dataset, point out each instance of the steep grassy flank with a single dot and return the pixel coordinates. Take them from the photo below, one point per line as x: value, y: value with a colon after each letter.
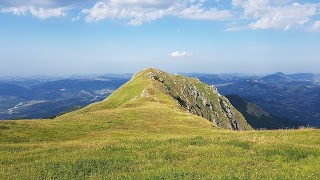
x: 141, y: 133
x: 198, y: 98
x: 155, y: 86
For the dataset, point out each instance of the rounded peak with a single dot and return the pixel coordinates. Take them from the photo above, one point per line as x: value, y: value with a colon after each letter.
x: 148, y: 68
x: 151, y: 69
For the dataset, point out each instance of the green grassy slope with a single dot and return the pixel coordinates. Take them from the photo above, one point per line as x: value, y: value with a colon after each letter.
x: 140, y: 133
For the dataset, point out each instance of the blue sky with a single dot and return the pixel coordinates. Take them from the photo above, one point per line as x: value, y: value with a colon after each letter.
x: 54, y: 37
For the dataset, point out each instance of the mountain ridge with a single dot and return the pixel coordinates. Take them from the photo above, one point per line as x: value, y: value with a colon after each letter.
x: 141, y: 132
x: 189, y: 95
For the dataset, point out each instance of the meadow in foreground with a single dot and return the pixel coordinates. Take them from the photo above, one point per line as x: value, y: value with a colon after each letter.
x: 177, y: 151
x: 128, y: 136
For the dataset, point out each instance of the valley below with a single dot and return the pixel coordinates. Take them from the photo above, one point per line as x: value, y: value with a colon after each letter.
x: 48, y: 97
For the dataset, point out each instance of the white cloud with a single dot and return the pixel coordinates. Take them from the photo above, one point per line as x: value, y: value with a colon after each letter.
x: 198, y: 12
x: 180, y: 54
x: 16, y: 10
x: 41, y: 13
x: 136, y: 12
x: 285, y: 17
x: 41, y: 9
x: 136, y: 16
x: 249, y: 14
x: 315, y: 26
x: 272, y: 14
x: 236, y: 3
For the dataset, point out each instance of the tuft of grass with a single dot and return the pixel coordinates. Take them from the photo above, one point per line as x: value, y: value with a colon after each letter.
x: 4, y: 127
x: 240, y: 144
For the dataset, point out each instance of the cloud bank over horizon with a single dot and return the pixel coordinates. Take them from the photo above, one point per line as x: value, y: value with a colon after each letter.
x: 237, y: 15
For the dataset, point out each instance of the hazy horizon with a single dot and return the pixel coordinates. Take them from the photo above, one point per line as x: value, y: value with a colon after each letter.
x: 94, y: 75
x: 54, y: 38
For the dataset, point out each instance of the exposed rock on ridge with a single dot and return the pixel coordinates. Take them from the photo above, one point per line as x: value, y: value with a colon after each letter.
x: 198, y: 98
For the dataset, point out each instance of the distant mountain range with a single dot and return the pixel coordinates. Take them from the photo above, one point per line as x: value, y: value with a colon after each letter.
x: 284, y: 97
x: 260, y: 119
x: 293, y: 96
x: 40, y: 98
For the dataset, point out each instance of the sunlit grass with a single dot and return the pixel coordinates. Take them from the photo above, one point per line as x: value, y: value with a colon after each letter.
x: 151, y: 138
x: 134, y: 154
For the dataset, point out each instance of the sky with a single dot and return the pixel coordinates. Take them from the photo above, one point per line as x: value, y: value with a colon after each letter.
x: 56, y: 37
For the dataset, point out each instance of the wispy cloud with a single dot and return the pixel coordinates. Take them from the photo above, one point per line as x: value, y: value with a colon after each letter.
x: 248, y: 14
x: 41, y: 13
x: 180, y: 54
x: 16, y: 10
x: 315, y: 26
x: 282, y: 14
x: 134, y: 15
x: 198, y: 12
x: 41, y: 9
x: 140, y: 11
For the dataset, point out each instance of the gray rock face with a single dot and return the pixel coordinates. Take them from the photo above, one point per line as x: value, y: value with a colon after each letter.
x: 230, y: 114
x: 198, y: 98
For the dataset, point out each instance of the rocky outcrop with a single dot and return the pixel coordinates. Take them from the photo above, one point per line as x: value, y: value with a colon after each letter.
x: 229, y: 111
x: 198, y: 98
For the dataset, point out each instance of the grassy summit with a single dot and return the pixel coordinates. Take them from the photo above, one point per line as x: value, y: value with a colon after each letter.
x: 141, y: 132
x: 163, y: 91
